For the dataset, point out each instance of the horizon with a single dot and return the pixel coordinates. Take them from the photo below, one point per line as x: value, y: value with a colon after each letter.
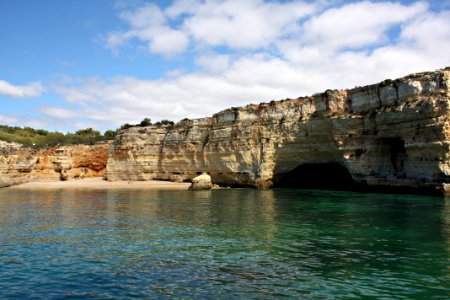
x: 71, y: 65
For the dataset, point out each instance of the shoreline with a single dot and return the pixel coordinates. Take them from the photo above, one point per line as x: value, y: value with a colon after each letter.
x: 99, y: 183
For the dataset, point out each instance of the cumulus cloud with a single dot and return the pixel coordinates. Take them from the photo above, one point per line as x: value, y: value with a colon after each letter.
x: 357, y: 24
x: 214, y: 63
x: 429, y: 33
x: 59, y: 112
x: 149, y: 25
x: 33, y: 89
x: 128, y: 100
x: 273, y: 50
x: 249, y: 24
x: 7, y: 119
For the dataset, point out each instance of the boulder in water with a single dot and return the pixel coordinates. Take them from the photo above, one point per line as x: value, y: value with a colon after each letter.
x: 201, y: 182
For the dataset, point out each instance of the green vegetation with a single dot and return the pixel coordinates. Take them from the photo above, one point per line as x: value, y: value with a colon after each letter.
x: 42, y: 138
x: 164, y: 123
x: 148, y: 122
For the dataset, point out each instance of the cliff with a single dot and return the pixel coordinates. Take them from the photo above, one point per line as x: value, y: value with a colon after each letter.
x: 20, y: 164
x: 391, y: 134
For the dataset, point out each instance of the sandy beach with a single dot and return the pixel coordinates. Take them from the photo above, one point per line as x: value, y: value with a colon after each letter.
x: 99, y: 183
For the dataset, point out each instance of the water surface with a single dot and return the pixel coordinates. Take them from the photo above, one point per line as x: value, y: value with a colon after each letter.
x: 223, y: 244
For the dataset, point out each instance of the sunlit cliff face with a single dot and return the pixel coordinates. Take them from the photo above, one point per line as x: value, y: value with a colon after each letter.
x: 394, y: 134
x: 21, y: 164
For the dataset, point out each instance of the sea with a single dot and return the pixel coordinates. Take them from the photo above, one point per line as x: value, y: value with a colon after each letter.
x: 222, y: 244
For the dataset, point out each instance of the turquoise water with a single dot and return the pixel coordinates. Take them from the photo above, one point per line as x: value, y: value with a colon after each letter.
x: 223, y: 244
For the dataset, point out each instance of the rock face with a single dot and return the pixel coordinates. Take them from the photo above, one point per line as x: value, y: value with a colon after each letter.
x: 201, y: 182
x: 392, y: 134
x: 18, y: 164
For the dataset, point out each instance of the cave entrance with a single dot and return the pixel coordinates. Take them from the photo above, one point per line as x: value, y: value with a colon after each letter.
x: 328, y: 176
x: 397, y: 153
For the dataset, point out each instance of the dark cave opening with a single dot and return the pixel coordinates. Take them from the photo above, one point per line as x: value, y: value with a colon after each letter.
x: 327, y: 176
x: 397, y: 152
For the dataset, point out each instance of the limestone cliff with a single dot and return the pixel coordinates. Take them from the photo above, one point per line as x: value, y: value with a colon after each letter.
x: 394, y: 133
x: 20, y: 164
x: 16, y: 164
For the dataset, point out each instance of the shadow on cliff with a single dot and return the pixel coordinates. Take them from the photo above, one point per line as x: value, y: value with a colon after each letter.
x: 333, y: 176
x: 330, y: 176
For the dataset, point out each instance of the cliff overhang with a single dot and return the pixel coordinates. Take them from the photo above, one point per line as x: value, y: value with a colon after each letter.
x: 394, y: 134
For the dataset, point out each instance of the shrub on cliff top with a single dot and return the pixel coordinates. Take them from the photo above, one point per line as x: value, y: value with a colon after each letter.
x: 164, y: 123
x: 126, y: 126
x: 88, y: 132
x: 110, y: 134
x: 28, y: 136
x: 145, y: 122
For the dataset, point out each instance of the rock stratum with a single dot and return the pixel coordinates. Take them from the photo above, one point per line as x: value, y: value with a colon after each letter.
x: 391, y: 134
x: 21, y: 164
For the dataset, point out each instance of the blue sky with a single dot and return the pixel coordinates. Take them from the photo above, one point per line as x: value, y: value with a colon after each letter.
x: 66, y: 65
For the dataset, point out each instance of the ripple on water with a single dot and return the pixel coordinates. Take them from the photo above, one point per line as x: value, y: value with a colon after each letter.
x: 222, y: 244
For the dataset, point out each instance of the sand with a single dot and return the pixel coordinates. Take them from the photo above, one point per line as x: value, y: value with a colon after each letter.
x: 99, y: 183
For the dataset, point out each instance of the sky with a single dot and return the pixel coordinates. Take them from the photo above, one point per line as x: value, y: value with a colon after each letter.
x: 74, y: 64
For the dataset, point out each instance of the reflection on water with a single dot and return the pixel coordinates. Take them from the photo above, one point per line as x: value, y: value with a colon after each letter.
x: 222, y: 244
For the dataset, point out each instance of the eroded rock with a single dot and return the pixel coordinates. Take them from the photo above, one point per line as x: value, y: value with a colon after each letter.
x: 201, y: 182
x: 392, y: 134
x: 20, y: 164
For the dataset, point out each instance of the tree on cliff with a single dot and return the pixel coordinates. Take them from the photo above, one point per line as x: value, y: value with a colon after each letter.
x: 88, y: 132
x: 84, y: 136
x: 126, y: 126
x: 110, y: 134
x: 164, y: 123
x: 145, y: 122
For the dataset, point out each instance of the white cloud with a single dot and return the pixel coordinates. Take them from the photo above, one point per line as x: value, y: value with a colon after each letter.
x: 249, y: 24
x: 274, y: 50
x: 182, y: 7
x: 7, y: 119
x: 128, y: 100
x: 168, y: 41
x: 214, y: 63
x: 430, y: 33
x: 25, y: 121
x: 244, y: 24
x: 59, y: 112
x: 357, y: 24
x: 146, y: 16
x: 148, y: 24
x: 33, y: 89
